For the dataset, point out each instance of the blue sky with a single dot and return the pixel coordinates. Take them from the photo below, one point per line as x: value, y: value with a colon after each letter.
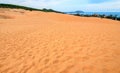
x: 70, y: 5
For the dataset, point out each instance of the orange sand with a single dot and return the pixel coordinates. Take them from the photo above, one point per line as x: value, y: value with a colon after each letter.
x: 39, y: 42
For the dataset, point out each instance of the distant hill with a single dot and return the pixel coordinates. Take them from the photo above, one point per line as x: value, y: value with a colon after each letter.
x: 26, y: 8
x: 75, y: 12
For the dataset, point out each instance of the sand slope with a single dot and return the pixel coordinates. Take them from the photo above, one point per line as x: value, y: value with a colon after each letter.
x: 38, y: 42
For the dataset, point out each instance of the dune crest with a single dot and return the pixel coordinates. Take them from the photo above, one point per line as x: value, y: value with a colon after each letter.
x: 39, y: 42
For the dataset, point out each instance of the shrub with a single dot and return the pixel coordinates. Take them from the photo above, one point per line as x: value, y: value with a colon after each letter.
x: 26, y: 8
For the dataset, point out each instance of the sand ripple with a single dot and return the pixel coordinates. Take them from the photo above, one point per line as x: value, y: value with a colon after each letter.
x: 38, y: 42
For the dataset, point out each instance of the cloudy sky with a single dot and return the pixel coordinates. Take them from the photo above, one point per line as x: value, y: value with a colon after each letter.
x: 70, y: 5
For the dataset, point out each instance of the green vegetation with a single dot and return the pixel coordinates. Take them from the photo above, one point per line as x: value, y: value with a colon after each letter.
x: 26, y: 8
x: 17, y: 7
x: 113, y: 17
x: 12, y: 6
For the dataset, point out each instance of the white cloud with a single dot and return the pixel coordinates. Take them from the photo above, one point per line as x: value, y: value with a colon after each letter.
x: 35, y: 3
x: 106, y: 6
x: 68, y: 5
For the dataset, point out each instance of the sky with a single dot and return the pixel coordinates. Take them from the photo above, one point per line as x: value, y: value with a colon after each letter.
x: 70, y: 5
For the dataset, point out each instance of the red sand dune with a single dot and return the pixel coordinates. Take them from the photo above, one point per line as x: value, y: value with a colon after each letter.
x: 39, y: 42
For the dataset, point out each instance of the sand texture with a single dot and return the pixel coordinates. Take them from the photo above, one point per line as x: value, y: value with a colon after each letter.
x: 39, y: 42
